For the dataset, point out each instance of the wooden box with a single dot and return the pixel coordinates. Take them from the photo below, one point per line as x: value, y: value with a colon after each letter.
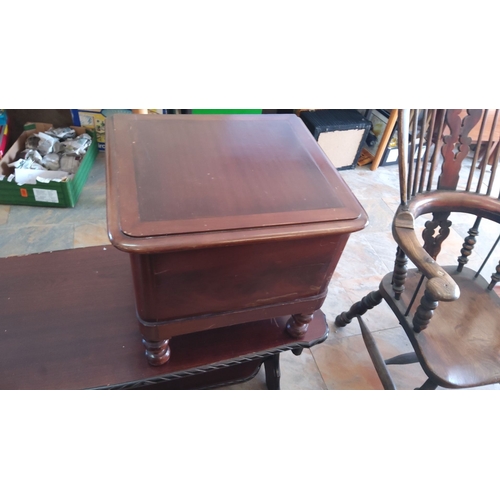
x: 227, y: 219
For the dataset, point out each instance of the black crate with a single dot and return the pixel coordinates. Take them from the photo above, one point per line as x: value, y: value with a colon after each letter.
x: 342, y: 150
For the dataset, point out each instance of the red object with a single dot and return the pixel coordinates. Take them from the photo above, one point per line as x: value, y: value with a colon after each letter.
x: 4, y: 133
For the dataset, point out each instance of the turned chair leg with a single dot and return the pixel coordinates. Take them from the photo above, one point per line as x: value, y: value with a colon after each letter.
x: 376, y: 357
x: 359, y: 308
x: 495, y: 278
x: 400, y: 273
x: 428, y: 385
x: 468, y: 245
x: 402, y: 359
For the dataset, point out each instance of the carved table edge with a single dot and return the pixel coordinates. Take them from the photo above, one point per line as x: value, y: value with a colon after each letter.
x: 215, y: 366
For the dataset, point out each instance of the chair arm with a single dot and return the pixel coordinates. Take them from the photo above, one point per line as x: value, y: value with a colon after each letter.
x: 441, y: 285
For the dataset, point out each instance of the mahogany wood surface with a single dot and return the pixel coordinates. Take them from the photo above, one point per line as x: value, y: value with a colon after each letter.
x: 228, y: 285
x: 456, y: 356
x: 228, y: 219
x: 213, y: 379
x: 188, y: 174
x: 68, y: 321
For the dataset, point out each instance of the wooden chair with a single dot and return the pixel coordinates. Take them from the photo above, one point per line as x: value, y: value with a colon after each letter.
x: 484, y: 135
x: 450, y: 314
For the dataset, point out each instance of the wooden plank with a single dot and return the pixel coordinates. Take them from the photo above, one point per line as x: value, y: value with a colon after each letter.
x: 391, y: 123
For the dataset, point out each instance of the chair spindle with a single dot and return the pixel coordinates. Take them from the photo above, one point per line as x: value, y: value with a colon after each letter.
x: 478, y: 147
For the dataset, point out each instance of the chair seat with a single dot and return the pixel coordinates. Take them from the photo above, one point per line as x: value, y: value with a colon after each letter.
x: 461, y: 345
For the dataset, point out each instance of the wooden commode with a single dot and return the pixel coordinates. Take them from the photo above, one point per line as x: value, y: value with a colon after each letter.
x: 228, y: 219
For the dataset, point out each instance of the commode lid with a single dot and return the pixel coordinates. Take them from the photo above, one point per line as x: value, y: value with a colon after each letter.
x: 188, y: 174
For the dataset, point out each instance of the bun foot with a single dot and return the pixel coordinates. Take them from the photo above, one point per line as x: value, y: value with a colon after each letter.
x: 157, y: 352
x: 297, y: 325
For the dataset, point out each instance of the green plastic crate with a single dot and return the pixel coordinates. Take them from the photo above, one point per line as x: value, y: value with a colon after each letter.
x: 62, y: 194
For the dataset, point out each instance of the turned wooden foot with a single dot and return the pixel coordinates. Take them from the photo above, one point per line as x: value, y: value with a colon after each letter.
x: 297, y: 325
x: 273, y: 374
x: 402, y: 359
x: 157, y: 352
x: 428, y: 385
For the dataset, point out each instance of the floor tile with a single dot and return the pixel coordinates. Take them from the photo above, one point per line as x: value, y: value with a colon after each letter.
x: 297, y: 373
x: 359, y: 259
x: 392, y: 202
x: 336, y: 302
x: 4, y: 213
x: 364, y: 182
x: 88, y: 235
x: 97, y: 176
x: 34, y: 239
x: 346, y: 364
x: 258, y: 383
x: 379, y: 214
x: 300, y: 372
x: 384, y: 247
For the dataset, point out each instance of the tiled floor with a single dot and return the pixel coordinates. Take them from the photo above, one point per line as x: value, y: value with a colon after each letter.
x: 341, y: 362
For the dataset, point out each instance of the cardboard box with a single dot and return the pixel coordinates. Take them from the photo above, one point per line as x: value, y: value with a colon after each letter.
x: 95, y: 119
x: 60, y: 194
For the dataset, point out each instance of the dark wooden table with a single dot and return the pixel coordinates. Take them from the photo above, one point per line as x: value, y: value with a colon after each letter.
x: 67, y: 321
x: 230, y: 228
x: 227, y: 220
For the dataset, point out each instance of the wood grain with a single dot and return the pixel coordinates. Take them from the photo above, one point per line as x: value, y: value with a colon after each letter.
x: 195, y: 175
x: 68, y: 322
x: 467, y: 354
x: 228, y: 218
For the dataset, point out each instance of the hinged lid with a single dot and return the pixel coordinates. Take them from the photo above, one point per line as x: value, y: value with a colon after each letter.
x: 187, y: 174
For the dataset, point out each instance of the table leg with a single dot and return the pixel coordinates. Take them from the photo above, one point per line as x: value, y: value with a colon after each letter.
x: 273, y: 374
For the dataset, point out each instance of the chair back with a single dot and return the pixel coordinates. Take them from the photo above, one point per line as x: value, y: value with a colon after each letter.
x: 448, y: 149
